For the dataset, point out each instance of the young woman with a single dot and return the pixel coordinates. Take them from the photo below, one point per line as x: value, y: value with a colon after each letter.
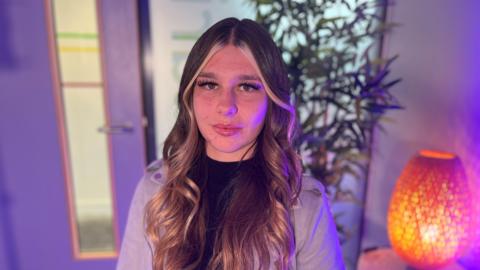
x: 229, y: 192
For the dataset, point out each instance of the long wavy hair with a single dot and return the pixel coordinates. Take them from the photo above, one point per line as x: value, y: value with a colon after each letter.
x: 249, y: 235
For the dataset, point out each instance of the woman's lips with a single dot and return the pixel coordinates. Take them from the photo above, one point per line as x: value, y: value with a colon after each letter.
x: 226, y: 130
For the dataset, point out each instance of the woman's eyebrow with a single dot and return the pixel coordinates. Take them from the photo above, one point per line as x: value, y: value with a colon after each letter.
x: 249, y: 77
x: 244, y: 77
x: 207, y: 75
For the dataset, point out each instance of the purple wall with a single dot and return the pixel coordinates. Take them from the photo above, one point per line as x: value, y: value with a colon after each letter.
x: 29, y: 148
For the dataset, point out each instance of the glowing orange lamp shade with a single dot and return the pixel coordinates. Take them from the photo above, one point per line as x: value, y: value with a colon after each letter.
x: 430, y: 214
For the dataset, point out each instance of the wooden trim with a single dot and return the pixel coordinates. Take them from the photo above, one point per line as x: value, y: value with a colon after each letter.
x: 60, y: 113
x: 94, y: 85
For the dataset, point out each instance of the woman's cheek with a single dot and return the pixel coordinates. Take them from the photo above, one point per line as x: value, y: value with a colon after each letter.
x: 261, y: 112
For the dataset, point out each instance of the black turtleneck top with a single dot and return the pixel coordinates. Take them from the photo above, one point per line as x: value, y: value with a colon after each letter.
x: 217, y: 190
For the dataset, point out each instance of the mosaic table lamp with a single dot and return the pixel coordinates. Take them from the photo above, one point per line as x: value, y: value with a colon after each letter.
x: 430, y: 214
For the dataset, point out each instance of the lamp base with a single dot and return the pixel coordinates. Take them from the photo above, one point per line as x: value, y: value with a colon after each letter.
x: 386, y: 258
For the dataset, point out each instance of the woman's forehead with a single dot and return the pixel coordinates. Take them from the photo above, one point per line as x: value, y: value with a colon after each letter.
x: 231, y: 59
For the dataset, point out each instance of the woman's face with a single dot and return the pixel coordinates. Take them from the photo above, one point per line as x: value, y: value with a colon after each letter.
x: 230, y: 104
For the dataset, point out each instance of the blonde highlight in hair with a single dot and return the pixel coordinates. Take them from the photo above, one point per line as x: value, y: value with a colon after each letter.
x: 248, y: 236
x: 189, y: 87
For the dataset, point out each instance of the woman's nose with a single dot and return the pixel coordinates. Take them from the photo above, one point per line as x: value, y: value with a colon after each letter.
x: 227, y: 104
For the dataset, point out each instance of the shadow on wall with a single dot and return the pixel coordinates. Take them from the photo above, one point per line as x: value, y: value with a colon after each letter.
x: 8, y: 248
x: 7, y: 59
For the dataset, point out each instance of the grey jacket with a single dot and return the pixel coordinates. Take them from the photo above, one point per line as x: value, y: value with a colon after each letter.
x: 317, y: 246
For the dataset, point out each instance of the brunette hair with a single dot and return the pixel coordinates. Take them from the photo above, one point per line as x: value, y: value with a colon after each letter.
x: 249, y: 235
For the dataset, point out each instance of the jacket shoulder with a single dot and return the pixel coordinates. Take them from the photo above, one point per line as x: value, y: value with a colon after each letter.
x: 156, y: 172
x: 136, y: 252
x: 153, y: 179
x: 312, y: 198
x: 311, y: 187
x: 317, y: 245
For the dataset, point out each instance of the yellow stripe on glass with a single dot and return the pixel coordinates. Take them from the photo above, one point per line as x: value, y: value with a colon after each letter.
x: 83, y: 97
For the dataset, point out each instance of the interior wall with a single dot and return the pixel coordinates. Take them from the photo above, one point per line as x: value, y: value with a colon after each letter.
x: 438, y: 43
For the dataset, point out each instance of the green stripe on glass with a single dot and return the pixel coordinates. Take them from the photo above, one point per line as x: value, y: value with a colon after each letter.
x: 186, y: 36
x: 76, y: 35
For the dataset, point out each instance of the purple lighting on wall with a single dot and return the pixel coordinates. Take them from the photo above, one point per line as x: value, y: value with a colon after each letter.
x: 470, y: 140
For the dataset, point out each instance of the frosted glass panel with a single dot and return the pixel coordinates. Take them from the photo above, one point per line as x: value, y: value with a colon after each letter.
x: 84, y: 113
x: 79, y: 61
x: 87, y: 150
x: 75, y: 16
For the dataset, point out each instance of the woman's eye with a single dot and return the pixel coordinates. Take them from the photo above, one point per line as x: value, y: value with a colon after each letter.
x: 207, y: 85
x: 249, y: 87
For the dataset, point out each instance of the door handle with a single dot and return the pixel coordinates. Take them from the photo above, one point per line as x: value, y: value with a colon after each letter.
x: 122, y: 128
